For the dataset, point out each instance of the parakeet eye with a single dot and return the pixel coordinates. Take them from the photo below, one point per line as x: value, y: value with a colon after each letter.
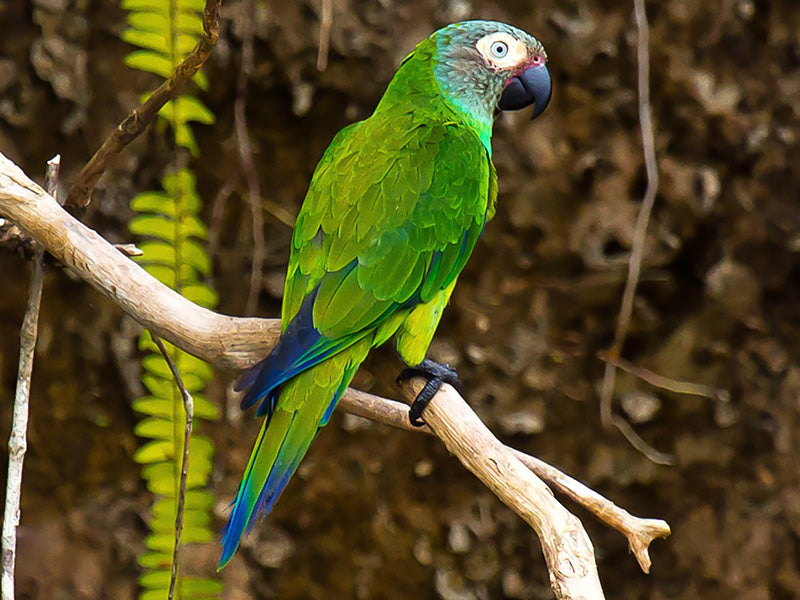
x: 499, y: 49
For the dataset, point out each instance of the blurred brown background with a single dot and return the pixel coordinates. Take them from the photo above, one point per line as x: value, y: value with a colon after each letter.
x: 377, y: 513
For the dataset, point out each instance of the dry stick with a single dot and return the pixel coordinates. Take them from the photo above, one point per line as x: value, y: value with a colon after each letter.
x: 129, y: 250
x: 226, y: 342
x: 670, y: 384
x: 637, y: 247
x: 246, y: 156
x: 325, y: 24
x: 138, y: 120
x: 639, y: 532
x: 218, y: 212
x: 17, y: 442
x: 719, y: 396
x: 188, y: 406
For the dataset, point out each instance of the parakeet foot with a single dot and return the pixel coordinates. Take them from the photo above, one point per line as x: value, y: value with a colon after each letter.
x: 436, y: 373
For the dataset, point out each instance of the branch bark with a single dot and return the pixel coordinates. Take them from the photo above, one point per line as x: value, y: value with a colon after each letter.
x: 236, y: 343
x: 638, y: 531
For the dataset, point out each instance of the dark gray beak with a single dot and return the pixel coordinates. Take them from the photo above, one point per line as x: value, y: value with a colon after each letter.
x: 529, y: 87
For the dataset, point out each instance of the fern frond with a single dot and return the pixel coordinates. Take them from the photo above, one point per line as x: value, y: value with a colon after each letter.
x: 173, y: 252
x: 166, y: 31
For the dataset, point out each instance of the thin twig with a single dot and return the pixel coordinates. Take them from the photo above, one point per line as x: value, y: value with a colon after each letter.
x: 639, y: 532
x: 138, y: 120
x: 129, y: 250
x: 668, y: 383
x: 325, y: 24
x: 218, y: 212
x: 638, y: 442
x: 246, y: 156
x: 640, y: 233
x: 279, y: 212
x: 188, y: 405
x: 677, y: 386
x: 18, y: 442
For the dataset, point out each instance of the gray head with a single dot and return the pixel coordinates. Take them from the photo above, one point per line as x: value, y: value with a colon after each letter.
x: 485, y: 65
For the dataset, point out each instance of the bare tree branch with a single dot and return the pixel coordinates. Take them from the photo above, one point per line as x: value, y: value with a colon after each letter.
x: 236, y: 343
x: 141, y: 116
x: 225, y: 341
x: 18, y: 440
x: 639, y: 238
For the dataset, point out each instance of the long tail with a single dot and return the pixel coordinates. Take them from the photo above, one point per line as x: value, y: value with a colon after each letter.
x: 305, y: 405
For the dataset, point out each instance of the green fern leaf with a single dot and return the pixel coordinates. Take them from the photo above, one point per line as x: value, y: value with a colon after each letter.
x: 154, y: 202
x: 150, y: 6
x: 165, y: 31
x: 148, y: 40
x: 200, y: 80
x: 205, y: 408
x: 153, y: 22
x: 146, y: 60
x: 190, y: 108
x: 201, y: 294
x: 155, y: 560
x: 156, y: 428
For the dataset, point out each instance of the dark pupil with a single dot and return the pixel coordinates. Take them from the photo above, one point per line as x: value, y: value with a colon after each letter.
x: 499, y: 49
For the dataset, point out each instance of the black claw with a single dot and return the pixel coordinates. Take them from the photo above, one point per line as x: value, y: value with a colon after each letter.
x: 436, y: 374
x: 422, y: 400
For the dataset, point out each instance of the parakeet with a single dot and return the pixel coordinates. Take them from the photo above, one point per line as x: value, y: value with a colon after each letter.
x: 393, y: 211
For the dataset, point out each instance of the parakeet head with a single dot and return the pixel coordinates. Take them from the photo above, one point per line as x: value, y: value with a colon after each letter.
x: 482, y: 66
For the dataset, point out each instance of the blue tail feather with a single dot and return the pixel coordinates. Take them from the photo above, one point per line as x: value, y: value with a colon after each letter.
x: 246, y: 513
x: 279, y: 476
x: 238, y: 520
x: 285, y: 361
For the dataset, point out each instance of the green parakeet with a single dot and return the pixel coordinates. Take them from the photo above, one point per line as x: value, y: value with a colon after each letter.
x: 392, y: 214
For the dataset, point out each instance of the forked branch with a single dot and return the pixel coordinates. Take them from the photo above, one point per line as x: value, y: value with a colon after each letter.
x: 235, y: 343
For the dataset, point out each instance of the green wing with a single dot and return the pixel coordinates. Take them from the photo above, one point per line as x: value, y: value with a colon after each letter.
x: 392, y: 214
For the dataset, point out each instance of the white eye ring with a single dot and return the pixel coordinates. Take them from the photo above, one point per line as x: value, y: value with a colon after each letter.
x: 499, y: 49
